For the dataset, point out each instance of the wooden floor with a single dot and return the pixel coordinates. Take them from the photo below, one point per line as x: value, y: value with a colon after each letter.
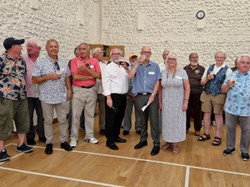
x: 197, y: 164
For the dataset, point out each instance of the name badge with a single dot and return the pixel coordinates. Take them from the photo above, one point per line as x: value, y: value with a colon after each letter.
x: 151, y: 73
x: 178, y: 77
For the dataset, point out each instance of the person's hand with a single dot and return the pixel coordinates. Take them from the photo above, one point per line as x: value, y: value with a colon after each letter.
x: 151, y: 99
x: 109, y: 102
x: 185, y: 105
x: 210, y: 76
x: 83, y: 68
x: 54, y: 76
x: 230, y: 83
x: 69, y: 95
x: 124, y: 65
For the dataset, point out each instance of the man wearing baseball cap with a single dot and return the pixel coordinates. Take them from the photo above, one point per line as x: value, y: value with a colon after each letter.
x: 13, y: 101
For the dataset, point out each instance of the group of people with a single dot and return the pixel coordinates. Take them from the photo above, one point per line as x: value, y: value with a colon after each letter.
x: 165, y: 94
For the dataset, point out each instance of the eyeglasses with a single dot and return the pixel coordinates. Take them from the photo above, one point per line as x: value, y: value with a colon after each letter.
x: 146, y: 52
x: 172, y: 59
x: 57, y: 66
x: 116, y: 53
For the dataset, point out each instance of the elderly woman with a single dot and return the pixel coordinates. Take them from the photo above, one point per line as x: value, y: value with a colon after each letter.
x: 173, y: 100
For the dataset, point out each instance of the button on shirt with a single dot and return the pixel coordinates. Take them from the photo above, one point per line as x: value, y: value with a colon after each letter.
x: 52, y: 91
x: 12, y: 73
x: 145, y: 78
x: 32, y: 89
x: 114, y: 79
x: 238, y: 97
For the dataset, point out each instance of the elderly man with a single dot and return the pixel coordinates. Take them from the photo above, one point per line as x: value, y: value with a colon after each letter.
x: 164, y: 57
x: 146, y: 82
x: 194, y: 71
x: 33, y: 51
x: 85, y: 70
x: 237, y: 107
x: 98, y: 54
x: 127, y: 125
x: 13, y: 102
x: 52, y: 75
x: 212, y: 98
x: 115, y: 87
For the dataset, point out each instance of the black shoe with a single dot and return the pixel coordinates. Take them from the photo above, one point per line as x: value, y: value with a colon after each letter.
x: 245, y: 156
x: 120, y: 140
x: 66, y: 146
x: 125, y: 132
x: 102, y: 131
x: 155, y: 150
x: 49, y: 149
x: 140, y: 145
x: 42, y: 139
x: 112, y: 146
x: 4, y: 156
x: 24, y: 148
x: 138, y: 132
x: 31, y: 141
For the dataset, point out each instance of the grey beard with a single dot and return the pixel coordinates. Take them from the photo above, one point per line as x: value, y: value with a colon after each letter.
x: 194, y: 63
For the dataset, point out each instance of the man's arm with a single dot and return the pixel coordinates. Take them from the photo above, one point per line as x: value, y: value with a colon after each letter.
x: 45, y: 78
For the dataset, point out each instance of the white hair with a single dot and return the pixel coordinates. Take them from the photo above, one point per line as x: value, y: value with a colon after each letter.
x: 34, y: 41
x: 172, y: 55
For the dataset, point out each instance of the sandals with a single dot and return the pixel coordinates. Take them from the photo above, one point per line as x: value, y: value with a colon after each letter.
x: 166, y: 146
x: 175, y: 149
x: 204, y: 137
x: 216, y: 141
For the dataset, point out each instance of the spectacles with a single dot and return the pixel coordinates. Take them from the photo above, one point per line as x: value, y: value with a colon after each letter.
x: 57, y: 66
x: 171, y: 58
x: 116, y: 53
x: 146, y: 52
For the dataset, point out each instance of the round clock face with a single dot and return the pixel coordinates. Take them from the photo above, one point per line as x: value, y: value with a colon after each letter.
x: 200, y: 14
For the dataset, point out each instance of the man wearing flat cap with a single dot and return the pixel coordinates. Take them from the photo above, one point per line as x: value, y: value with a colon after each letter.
x: 13, y: 101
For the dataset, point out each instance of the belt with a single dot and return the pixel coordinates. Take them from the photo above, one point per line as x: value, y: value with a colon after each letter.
x: 87, y: 86
x: 145, y: 93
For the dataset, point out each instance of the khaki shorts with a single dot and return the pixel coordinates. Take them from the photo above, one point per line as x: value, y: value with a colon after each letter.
x: 13, y: 110
x: 213, y: 103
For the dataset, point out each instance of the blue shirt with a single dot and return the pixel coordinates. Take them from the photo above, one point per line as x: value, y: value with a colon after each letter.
x: 238, y: 97
x: 146, y: 77
x: 52, y: 91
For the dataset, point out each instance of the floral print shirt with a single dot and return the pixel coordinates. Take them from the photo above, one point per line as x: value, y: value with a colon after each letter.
x: 12, y: 77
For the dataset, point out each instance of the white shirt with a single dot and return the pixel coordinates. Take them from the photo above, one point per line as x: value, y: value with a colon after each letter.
x: 215, y: 71
x: 98, y: 85
x: 114, y: 79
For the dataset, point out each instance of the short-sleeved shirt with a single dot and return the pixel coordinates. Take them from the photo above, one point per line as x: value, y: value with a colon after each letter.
x: 194, y: 76
x: 12, y: 77
x: 52, y: 91
x: 93, y: 64
x: 32, y: 89
x: 145, y: 78
x: 238, y: 97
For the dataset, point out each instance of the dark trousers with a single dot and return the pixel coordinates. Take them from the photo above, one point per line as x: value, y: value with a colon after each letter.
x: 194, y: 110
x: 35, y: 104
x: 152, y: 113
x: 114, y: 117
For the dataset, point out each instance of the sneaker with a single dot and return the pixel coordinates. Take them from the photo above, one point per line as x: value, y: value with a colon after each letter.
x: 24, y: 148
x: 91, y: 140
x: 245, y: 156
x: 66, y: 146
x: 228, y: 151
x: 73, y: 143
x: 4, y: 156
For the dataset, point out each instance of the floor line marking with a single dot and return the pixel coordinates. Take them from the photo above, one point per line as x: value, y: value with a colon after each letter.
x: 153, y: 161
x: 59, y: 177
x: 187, y: 176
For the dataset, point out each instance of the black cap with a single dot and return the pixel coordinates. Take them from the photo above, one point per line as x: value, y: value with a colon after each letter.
x: 9, y: 42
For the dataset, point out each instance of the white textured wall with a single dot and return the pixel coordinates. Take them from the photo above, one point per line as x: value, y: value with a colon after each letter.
x: 166, y: 24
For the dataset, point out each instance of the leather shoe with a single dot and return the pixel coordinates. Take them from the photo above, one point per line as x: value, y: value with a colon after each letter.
x: 120, y: 140
x: 112, y: 146
x: 65, y: 145
x: 141, y: 144
x: 125, y: 132
x: 49, y: 149
x: 155, y: 150
x: 42, y: 139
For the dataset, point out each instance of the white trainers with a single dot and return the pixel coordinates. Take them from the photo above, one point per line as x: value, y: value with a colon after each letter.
x: 73, y: 143
x: 91, y: 140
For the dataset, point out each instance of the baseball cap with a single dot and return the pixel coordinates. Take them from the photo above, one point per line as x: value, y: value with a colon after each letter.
x: 9, y: 42
x: 133, y: 55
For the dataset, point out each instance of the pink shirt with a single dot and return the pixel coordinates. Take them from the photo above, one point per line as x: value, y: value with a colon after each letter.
x: 32, y: 89
x: 93, y: 64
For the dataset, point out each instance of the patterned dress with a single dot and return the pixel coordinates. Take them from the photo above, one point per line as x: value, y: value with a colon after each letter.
x: 173, y: 118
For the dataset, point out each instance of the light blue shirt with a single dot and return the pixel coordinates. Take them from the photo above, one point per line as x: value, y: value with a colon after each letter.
x: 52, y: 91
x: 145, y: 78
x: 238, y: 97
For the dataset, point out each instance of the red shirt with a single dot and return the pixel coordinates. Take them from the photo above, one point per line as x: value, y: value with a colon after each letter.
x: 93, y: 65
